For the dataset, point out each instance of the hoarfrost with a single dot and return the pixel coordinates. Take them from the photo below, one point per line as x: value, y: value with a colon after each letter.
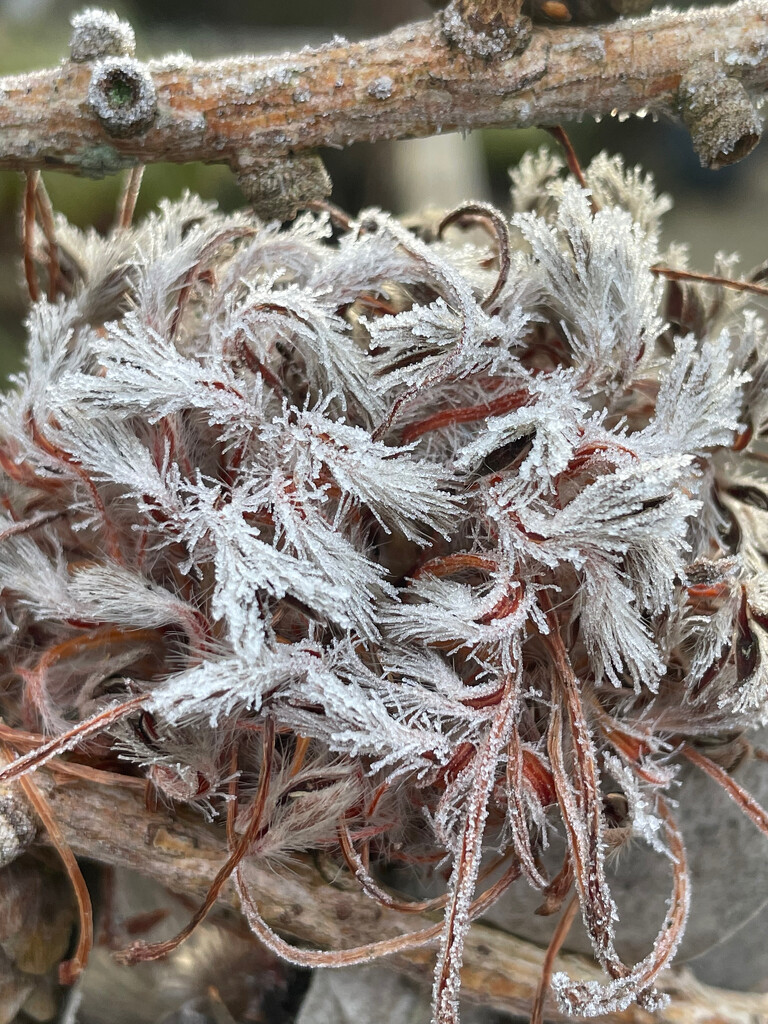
x: 459, y: 552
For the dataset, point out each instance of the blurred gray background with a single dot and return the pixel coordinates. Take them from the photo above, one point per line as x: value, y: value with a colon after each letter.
x: 723, y: 210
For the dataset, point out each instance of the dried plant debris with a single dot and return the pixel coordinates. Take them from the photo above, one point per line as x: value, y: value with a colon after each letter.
x: 222, y: 975
x: 384, y: 543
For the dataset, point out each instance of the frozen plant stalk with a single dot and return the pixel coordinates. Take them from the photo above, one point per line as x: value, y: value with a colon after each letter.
x: 431, y: 538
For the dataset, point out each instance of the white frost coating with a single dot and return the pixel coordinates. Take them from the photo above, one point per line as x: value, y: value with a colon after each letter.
x: 281, y: 74
x: 308, y: 473
x: 174, y: 62
x: 97, y: 34
x: 122, y: 95
x: 737, y: 58
x: 597, y: 278
x: 381, y: 88
x: 470, y: 41
x: 645, y: 824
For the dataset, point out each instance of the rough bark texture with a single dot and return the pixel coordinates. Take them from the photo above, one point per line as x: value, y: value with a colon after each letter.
x: 411, y: 82
x: 112, y: 826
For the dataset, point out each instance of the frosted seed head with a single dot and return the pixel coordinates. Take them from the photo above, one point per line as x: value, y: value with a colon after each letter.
x: 221, y: 384
x: 122, y: 96
x: 97, y: 34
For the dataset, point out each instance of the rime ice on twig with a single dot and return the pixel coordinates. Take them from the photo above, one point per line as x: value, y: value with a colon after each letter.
x: 338, y: 93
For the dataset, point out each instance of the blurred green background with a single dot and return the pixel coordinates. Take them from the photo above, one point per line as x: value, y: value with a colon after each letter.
x: 722, y: 210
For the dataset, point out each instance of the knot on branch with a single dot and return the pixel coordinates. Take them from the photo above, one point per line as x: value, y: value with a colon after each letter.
x: 486, y: 28
x: 97, y: 34
x: 724, y: 123
x: 279, y: 187
x: 122, y: 96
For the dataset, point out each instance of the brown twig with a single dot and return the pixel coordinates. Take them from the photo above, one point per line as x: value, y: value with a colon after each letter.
x: 114, y: 827
x: 411, y: 82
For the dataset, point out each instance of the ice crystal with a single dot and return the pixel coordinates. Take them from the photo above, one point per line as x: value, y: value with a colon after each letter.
x: 474, y: 526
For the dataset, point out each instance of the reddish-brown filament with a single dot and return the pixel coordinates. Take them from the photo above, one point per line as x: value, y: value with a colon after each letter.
x: 140, y: 952
x: 747, y: 803
x: 62, y: 456
x: 22, y: 740
x: 45, y: 213
x: 559, y: 936
x: 129, y: 197
x: 558, y: 132
x: 300, y: 752
x: 69, y: 970
x: 506, y: 605
x: 467, y: 414
x: 725, y: 282
x: 229, y: 235
x: 482, y: 213
x: 450, y: 564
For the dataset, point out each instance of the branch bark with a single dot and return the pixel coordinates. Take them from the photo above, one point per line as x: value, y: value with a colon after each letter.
x: 113, y: 826
x: 409, y: 83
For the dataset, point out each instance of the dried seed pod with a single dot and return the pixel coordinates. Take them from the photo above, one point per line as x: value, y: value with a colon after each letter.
x: 198, y: 496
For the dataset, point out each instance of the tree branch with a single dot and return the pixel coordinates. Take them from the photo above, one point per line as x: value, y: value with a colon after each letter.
x: 411, y: 82
x: 113, y: 826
